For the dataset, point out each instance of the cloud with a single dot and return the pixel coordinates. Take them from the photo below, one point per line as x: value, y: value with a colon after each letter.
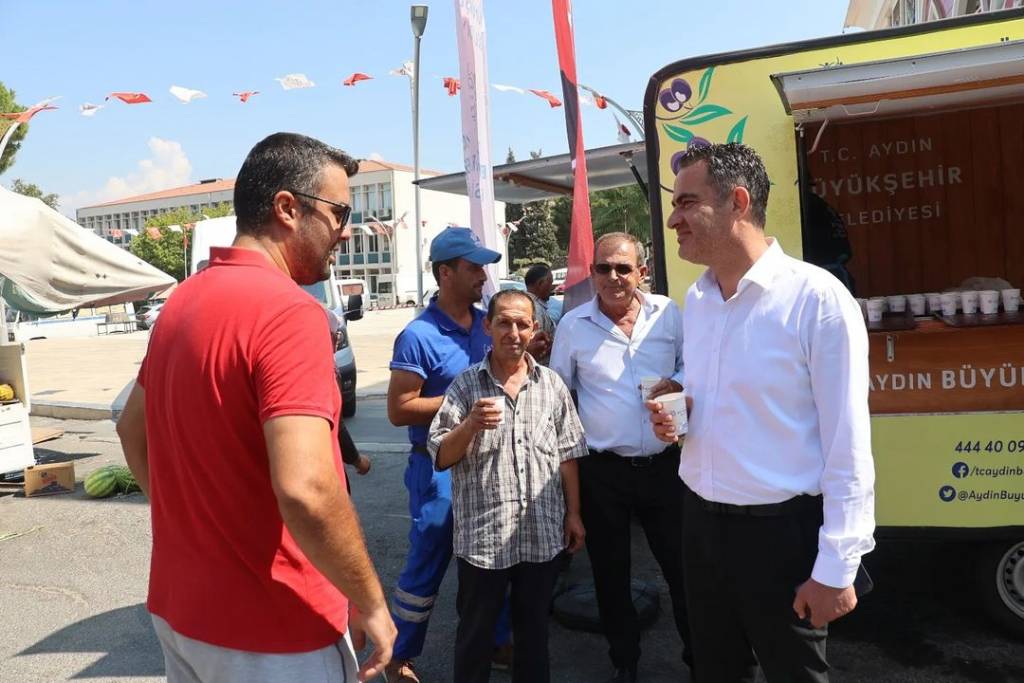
x: 167, y: 166
x: 375, y: 156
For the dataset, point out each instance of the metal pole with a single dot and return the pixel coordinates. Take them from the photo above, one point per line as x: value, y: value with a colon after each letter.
x: 615, y: 105
x: 416, y: 168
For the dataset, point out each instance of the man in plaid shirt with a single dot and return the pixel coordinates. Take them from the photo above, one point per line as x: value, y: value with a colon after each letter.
x: 510, y: 433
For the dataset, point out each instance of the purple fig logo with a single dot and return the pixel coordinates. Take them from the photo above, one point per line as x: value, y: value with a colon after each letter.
x: 677, y: 102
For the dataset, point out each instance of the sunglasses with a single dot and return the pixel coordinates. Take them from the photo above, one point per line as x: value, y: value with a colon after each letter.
x: 342, y: 215
x: 620, y: 268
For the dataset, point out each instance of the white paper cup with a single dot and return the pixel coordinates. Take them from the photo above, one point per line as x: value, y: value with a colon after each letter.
x: 988, y: 300
x: 1011, y: 300
x: 897, y: 303
x: 675, y: 405
x: 934, y: 302
x: 950, y: 302
x: 646, y: 384
x: 969, y: 302
x: 499, y: 403
x: 917, y: 303
x: 876, y: 307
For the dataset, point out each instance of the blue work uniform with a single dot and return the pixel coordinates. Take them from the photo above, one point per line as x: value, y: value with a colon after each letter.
x: 437, y: 349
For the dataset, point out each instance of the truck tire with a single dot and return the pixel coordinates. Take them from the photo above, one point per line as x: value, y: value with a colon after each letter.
x: 1000, y: 579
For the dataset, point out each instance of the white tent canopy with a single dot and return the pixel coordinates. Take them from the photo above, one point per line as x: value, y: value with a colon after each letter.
x: 52, y: 264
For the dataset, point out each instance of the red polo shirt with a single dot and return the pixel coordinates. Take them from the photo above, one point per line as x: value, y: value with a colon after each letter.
x: 236, y: 344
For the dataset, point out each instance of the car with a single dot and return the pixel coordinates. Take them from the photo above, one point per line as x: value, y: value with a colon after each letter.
x: 147, y: 315
x: 512, y: 284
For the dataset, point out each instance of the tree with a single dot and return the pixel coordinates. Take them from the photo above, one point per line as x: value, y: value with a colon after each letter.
x: 169, y: 252
x: 51, y: 199
x: 7, y: 104
x: 621, y: 209
x: 535, y: 241
x: 513, y: 212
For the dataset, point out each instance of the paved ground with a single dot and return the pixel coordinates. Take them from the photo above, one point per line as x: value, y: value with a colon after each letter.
x: 73, y: 580
x: 87, y: 376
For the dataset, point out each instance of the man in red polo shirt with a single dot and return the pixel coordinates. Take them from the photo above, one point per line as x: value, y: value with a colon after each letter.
x: 231, y: 430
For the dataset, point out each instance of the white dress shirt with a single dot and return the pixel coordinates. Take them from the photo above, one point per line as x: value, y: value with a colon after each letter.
x: 604, y: 367
x: 779, y: 380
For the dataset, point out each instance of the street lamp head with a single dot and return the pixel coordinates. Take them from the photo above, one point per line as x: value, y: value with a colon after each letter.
x: 418, y: 16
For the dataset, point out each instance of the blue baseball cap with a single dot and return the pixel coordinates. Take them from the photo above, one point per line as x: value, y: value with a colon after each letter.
x: 461, y: 243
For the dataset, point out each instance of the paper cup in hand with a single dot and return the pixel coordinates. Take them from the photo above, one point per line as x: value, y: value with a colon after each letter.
x: 498, y: 403
x: 646, y: 384
x: 675, y: 405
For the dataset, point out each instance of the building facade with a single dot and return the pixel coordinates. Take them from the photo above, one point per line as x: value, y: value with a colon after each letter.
x: 120, y: 220
x: 879, y: 14
x: 382, y: 251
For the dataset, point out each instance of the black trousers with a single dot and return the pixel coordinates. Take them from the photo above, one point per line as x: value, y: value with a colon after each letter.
x: 612, y: 489
x: 742, y: 573
x: 480, y: 599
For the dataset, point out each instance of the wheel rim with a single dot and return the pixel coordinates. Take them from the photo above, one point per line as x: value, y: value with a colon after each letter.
x: 1010, y: 579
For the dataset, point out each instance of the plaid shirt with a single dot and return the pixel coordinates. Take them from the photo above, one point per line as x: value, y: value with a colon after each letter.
x: 507, y: 497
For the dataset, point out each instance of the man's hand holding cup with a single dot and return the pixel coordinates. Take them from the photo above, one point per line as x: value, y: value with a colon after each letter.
x: 669, y: 409
x: 487, y: 413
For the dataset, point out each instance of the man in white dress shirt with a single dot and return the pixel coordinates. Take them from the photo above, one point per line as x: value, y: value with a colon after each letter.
x: 777, y: 466
x: 603, y: 349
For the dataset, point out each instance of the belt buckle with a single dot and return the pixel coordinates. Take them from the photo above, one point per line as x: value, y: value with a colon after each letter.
x: 641, y: 461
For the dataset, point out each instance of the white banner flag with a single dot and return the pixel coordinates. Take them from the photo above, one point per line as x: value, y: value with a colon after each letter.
x: 476, y: 128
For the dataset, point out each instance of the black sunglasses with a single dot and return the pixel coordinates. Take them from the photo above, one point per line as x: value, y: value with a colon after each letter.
x: 342, y: 216
x: 620, y: 268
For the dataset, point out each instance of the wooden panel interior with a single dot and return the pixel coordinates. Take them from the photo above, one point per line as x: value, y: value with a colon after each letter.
x: 928, y: 201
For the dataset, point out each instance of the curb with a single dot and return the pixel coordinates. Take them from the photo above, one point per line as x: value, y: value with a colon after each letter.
x: 64, y: 410
x: 370, y: 447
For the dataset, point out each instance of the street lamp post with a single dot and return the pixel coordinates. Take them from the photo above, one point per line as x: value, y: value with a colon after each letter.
x: 418, y: 17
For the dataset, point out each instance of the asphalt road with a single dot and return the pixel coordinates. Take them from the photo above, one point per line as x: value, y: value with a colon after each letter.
x: 73, y: 576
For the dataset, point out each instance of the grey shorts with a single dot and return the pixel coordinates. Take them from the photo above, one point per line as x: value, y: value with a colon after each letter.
x: 193, y: 661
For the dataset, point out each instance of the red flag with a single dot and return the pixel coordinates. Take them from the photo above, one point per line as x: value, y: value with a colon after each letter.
x: 244, y: 96
x: 552, y: 100
x: 154, y: 233
x: 355, y: 78
x: 451, y: 85
x: 24, y: 116
x: 601, y: 101
x: 578, y: 287
x: 130, y: 97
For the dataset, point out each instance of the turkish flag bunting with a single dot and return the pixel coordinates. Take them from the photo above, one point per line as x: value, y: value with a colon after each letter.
x: 153, y: 233
x: 601, y: 101
x: 355, y: 78
x: 244, y: 96
x: 552, y: 100
x: 451, y: 85
x: 24, y: 116
x: 130, y: 97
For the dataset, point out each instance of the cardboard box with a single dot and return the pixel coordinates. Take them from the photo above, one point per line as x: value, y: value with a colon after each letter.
x: 47, y: 480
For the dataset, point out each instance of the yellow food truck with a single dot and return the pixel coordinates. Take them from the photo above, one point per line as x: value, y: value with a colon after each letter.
x: 914, y: 138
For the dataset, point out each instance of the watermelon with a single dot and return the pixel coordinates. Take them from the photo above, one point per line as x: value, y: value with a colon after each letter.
x: 125, y: 479
x: 102, y: 483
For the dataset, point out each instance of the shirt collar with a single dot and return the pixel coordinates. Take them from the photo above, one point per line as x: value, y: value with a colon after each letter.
x: 592, y: 309
x: 531, y: 365
x: 240, y: 256
x: 762, y: 273
x: 446, y: 323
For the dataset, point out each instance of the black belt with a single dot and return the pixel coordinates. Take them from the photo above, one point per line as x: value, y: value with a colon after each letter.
x: 792, y: 506
x: 637, y: 460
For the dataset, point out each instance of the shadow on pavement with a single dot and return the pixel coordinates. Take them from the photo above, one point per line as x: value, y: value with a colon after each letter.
x: 45, y: 456
x: 125, y: 637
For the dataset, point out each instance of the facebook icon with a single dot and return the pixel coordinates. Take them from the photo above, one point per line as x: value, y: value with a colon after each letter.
x: 961, y: 470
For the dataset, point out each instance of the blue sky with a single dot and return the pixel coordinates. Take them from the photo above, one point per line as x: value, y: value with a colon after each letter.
x: 84, y: 50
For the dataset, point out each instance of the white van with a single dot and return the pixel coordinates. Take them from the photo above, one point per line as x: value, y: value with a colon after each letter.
x: 220, y: 232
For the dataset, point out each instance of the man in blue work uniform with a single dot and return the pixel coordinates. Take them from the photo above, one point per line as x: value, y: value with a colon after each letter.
x: 430, y: 352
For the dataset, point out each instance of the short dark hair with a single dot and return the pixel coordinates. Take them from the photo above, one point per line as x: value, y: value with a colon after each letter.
x: 282, y: 161
x: 536, y: 273
x: 492, y: 306
x: 730, y: 166
x: 435, y: 268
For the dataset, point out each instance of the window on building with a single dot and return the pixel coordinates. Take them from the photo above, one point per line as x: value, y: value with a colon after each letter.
x: 343, y: 246
x: 357, y: 244
x: 372, y: 243
x: 386, y: 207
